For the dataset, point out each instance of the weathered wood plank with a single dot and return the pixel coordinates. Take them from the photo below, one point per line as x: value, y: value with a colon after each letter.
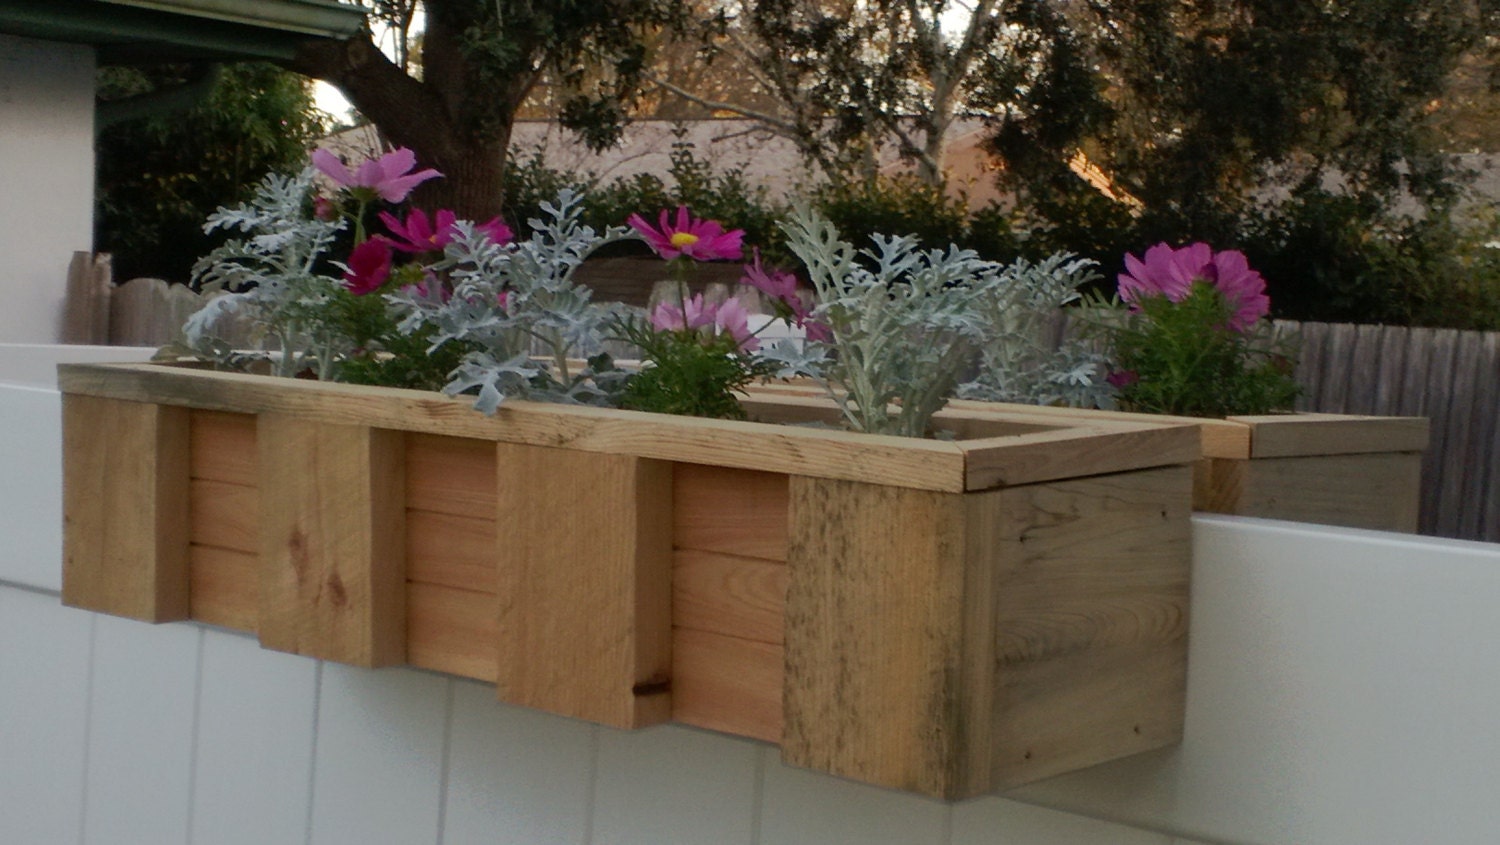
x: 727, y: 684
x: 1378, y: 491
x: 584, y: 589
x: 455, y: 551
x: 223, y: 447
x: 226, y: 516
x: 1486, y: 499
x: 1287, y: 435
x: 1395, y: 341
x: 452, y: 475
x: 1438, y: 399
x: 125, y: 506
x: 332, y: 581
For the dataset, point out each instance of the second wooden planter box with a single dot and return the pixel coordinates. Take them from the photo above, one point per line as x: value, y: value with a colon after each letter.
x: 943, y: 617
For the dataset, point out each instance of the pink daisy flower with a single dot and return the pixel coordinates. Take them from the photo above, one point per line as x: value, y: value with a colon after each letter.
x: 700, y: 240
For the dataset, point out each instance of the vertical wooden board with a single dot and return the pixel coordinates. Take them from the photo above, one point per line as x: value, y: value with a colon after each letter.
x: 1460, y: 463
x: 584, y: 588
x: 1389, y: 382
x: 225, y: 587
x: 1364, y: 370
x: 332, y: 579
x: 876, y: 641
x: 457, y: 551
x: 1309, y: 372
x: 1333, y: 393
x: 1090, y: 619
x: 451, y: 630
x: 727, y: 684
x: 1489, y: 529
x: 125, y: 508
x: 1218, y: 484
x: 1440, y: 515
x: 734, y: 511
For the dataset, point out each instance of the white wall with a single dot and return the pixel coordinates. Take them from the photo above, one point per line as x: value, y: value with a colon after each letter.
x: 1342, y: 689
x: 46, y: 180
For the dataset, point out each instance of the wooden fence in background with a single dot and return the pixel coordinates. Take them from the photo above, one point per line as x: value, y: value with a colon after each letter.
x: 1449, y: 376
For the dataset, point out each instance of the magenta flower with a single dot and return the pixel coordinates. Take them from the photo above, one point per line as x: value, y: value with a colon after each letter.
x: 779, y: 285
x: 1172, y: 272
x: 497, y: 231
x: 325, y: 209
x: 700, y: 240
x: 418, y: 233
x: 817, y: 332
x: 1121, y: 379
x: 369, y: 266
x: 666, y: 317
x: 388, y: 177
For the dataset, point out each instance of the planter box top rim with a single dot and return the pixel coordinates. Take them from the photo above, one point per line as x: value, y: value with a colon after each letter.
x: 1045, y: 450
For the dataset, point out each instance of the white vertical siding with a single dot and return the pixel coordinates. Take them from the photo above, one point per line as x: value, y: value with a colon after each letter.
x: 46, y: 179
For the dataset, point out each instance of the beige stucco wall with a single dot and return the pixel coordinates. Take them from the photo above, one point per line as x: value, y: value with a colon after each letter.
x: 46, y: 180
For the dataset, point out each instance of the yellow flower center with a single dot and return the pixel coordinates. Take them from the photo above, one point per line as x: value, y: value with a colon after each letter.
x: 683, y: 239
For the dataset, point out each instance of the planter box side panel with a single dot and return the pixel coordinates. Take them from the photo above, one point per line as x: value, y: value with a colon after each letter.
x: 1090, y: 621
x: 125, y: 500
x: 1380, y: 491
x: 729, y: 579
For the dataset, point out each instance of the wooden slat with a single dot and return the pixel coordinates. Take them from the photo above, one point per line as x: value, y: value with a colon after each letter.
x: 451, y: 630
x: 453, y: 475
x: 225, y: 586
x: 733, y: 511
x: 332, y: 580
x: 1438, y: 398
x: 584, y: 587
x: 1068, y: 453
x: 1334, y: 392
x: 1309, y: 374
x: 892, y: 460
x: 455, y: 551
x: 1395, y: 341
x: 1458, y: 456
x: 727, y: 684
x: 1378, y: 491
x: 1287, y: 435
x: 226, y: 516
x: 223, y: 447
x: 1487, y: 404
x: 125, y: 494
x: 1363, y: 368
x: 736, y: 596
x: 886, y: 636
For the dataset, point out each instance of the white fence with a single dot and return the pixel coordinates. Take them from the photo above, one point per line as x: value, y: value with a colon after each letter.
x: 1342, y: 689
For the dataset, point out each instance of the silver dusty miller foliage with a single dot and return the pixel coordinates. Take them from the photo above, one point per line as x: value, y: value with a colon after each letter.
x: 904, y: 331
x: 268, y: 278
x: 1023, y: 357
x: 518, y: 304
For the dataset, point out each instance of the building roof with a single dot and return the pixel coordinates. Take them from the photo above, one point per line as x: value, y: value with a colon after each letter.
x: 128, y: 31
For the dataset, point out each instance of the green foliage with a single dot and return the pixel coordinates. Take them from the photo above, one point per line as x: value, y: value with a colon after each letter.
x: 382, y: 354
x: 894, y: 206
x: 1182, y: 358
x: 158, y: 177
x: 688, y: 374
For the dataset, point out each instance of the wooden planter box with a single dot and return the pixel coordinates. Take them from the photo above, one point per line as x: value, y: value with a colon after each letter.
x: 943, y: 617
x: 1331, y: 469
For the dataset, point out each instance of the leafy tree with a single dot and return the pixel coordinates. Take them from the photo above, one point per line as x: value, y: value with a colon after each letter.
x: 479, y: 59
x: 159, y: 175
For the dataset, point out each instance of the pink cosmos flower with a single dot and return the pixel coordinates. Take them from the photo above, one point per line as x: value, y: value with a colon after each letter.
x: 1169, y: 272
x: 666, y: 317
x: 388, y: 177
x: 816, y: 331
x: 700, y: 240
x: 1121, y: 379
x: 497, y: 231
x: 779, y: 285
x: 419, y: 234
x: 732, y: 319
x: 325, y: 208
x: 369, y: 266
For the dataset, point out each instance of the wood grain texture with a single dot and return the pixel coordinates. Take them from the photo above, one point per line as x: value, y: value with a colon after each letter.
x: 332, y: 578
x: 1291, y: 435
x: 885, y: 639
x: 1073, y: 452
x: 584, y: 584
x: 734, y: 511
x: 225, y: 587
x: 455, y: 551
x: 452, y: 475
x: 452, y: 630
x: 1090, y: 621
x: 732, y: 443
x: 125, y: 508
x: 224, y: 515
x: 223, y: 447
x: 727, y: 684
x: 736, y: 596
x: 1381, y: 492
